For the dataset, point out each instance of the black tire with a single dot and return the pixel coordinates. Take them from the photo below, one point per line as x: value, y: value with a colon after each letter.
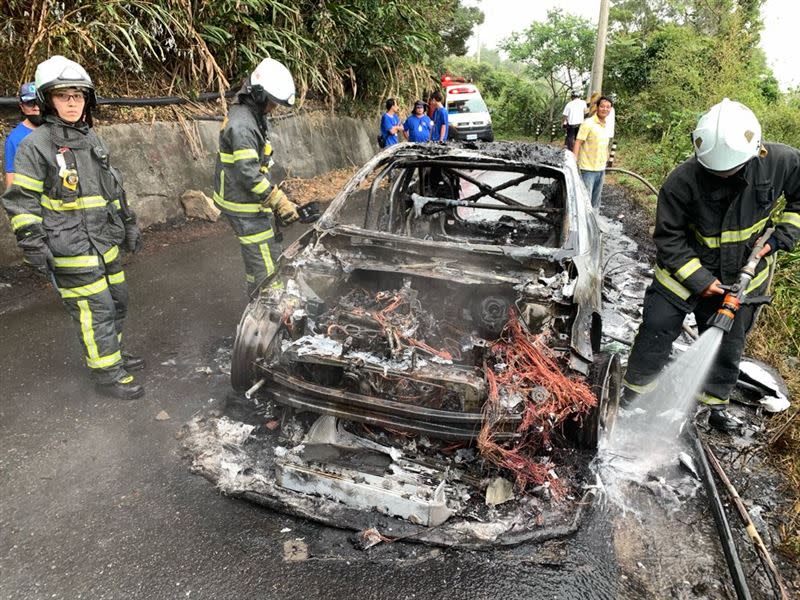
x: 488, y: 138
x: 257, y: 330
x: 605, y: 377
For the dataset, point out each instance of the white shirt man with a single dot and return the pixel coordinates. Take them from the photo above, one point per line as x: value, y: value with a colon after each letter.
x: 573, y: 115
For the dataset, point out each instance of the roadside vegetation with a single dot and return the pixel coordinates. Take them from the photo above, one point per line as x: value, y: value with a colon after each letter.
x: 339, y: 52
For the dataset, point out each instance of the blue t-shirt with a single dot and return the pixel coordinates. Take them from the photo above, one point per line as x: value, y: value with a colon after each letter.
x: 12, y: 143
x: 387, y: 122
x: 418, y: 128
x: 439, y: 119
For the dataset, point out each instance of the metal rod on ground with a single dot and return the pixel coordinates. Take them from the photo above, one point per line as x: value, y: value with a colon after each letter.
x: 774, y: 575
x: 723, y: 527
x: 256, y: 386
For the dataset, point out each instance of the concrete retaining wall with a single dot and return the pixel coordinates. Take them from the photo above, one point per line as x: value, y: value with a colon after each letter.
x: 161, y: 161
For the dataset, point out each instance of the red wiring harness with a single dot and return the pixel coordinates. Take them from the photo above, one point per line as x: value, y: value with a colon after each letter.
x: 522, y: 364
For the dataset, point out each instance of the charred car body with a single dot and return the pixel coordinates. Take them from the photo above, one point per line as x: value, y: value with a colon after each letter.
x: 450, y: 239
x: 450, y: 293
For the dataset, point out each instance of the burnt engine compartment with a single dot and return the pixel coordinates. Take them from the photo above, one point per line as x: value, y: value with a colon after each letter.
x: 415, y: 340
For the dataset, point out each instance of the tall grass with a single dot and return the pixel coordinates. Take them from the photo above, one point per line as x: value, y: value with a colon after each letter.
x: 366, y: 49
x: 776, y: 340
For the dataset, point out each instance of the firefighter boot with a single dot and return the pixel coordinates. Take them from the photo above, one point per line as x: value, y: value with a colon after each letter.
x: 123, y: 388
x: 721, y: 420
x: 628, y: 397
x: 131, y: 362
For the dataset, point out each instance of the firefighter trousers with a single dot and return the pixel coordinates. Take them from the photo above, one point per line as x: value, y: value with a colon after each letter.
x: 259, y: 248
x: 661, y: 325
x: 97, y: 301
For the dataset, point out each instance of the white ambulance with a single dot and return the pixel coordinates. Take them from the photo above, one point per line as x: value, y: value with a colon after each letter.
x: 468, y: 115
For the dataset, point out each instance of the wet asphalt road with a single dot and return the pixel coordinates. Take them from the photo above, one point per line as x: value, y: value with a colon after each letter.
x: 97, y: 501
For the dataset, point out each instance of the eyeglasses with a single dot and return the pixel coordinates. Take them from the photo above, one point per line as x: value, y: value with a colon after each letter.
x: 69, y: 97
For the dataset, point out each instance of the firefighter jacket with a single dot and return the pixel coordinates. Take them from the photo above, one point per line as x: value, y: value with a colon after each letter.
x: 65, y: 197
x: 706, y: 225
x: 241, y: 176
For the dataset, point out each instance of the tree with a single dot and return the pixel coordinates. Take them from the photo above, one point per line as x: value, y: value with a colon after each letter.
x: 645, y: 16
x: 458, y: 29
x: 559, y: 50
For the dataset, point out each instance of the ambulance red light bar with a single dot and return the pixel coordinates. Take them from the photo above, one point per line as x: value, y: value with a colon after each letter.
x: 451, y: 79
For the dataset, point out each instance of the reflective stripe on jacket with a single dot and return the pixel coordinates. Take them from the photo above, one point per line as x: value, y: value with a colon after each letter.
x: 81, y: 224
x: 241, y: 176
x: 706, y: 225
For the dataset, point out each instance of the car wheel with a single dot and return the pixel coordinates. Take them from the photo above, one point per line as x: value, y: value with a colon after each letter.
x: 488, y: 138
x: 254, y: 335
x: 605, y: 377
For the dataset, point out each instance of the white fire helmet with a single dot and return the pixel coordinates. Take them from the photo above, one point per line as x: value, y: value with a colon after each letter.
x: 271, y: 80
x: 60, y: 72
x: 727, y: 136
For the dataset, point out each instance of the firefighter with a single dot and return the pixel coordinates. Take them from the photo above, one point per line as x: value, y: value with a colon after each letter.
x: 242, y: 187
x: 710, y: 211
x: 67, y: 208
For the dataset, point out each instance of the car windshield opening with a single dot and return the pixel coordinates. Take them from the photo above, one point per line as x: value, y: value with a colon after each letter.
x: 461, y: 201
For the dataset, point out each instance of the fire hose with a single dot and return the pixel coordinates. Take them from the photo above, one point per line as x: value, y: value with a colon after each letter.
x: 723, y: 527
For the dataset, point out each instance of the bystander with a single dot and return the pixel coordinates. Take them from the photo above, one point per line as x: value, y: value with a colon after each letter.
x: 390, y: 124
x: 418, y: 126
x: 574, y: 114
x: 31, y: 119
x: 591, y: 149
x: 440, y: 119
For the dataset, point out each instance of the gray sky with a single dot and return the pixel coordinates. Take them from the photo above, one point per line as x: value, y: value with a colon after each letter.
x: 777, y: 38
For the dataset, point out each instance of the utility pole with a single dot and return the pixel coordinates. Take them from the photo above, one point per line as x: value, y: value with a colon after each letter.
x: 599, y: 50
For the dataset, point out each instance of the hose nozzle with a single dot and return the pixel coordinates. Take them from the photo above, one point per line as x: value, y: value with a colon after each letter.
x: 726, y: 313
x: 723, y: 318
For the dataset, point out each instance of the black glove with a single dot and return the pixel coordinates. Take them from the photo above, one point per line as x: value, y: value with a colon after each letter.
x: 40, y: 259
x: 133, y: 237
x: 773, y: 245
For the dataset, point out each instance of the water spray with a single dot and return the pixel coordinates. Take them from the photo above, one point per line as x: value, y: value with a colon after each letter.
x: 723, y: 318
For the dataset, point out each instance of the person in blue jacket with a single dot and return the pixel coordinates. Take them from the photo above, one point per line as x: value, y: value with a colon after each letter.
x: 31, y: 119
x: 440, y: 120
x: 390, y: 123
x: 418, y: 125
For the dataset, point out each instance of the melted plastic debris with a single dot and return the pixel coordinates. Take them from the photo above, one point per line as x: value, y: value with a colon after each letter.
x: 498, y: 491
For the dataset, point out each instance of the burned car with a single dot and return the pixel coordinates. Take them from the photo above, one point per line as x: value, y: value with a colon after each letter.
x: 449, y: 297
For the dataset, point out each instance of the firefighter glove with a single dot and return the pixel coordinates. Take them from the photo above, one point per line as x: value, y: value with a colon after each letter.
x: 133, y: 237
x: 40, y: 259
x: 286, y: 209
x: 773, y: 245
